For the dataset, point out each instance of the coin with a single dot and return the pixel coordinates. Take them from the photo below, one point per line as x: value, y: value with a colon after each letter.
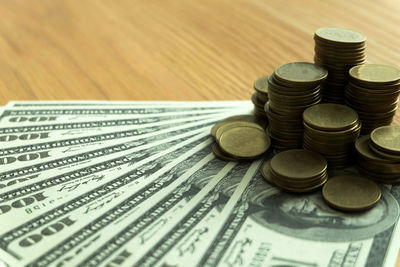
x: 262, y: 97
x: 300, y: 72
x: 340, y: 36
x: 292, y: 88
x: 244, y: 141
x: 301, y: 189
x: 331, y: 130
x: 234, y: 124
x: 387, y: 139
x: 392, y: 157
x: 273, y: 87
x: 256, y: 101
x: 337, y: 50
x: 363, y: 149
x: 261, y: 84
x: 351, y: 193
x: 221, y: 155
x: 380, y: 177
x: 265, y: 172
x: 250, y: 118
x: 375, y: 73
x: 379, y: 166
x: 298, y: 164
x: 330, y: 117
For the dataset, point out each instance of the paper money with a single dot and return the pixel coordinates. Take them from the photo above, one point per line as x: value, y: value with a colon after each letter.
x: 266, y: 223
x: 90, y: 103
x: 179, y: 186
x: 78, y: 201
x: 183, y: 236
x: 56, y: 190
x: 135, y: 183
x: 23, y: 156
x: 88, y: 156
x: 30, y: 116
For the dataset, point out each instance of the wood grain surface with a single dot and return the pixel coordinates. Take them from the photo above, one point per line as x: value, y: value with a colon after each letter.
x: 171, y: 49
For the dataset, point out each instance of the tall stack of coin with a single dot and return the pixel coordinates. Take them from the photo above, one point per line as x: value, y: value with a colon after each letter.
x: 375, y: 166
x: 240, y: 138
x: 373, y: 91
x: 296, y: 170
x: 292, y: 88
x: 260, y: 97
x: 338, y: 50
x: 331, y: 130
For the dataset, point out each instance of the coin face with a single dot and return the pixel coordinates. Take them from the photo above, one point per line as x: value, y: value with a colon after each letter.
x: 233, y: 124
x: 298, y: 164
x: 330, y: 117
x: 261, y: 84
x: 250, y: 118
x: 300, y: 72
x: 351, y: 193
x: 244, y: 141
x: 375, y: 73
x: 339, y: 35
x: 387, y: 138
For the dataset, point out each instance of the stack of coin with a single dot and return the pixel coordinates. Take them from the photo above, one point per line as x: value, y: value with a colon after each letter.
x: 375, y: 166
x: 338, y: 50
x: 240, y: 138
x: 296, y: 170
x: 260, y: 97
x: 373, y: 91
x: 331, y: 130
x: 292, y: 88
x: 351, y: 193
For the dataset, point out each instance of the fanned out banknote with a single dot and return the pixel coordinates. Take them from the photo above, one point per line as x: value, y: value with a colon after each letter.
x: 135, y: 183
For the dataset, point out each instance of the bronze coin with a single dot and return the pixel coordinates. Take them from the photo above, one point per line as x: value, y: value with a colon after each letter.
x: 265, y: 172
x: 300, y: 72
x: 387, y: 139
x: 250, y: 118
x: 340, y: 36
x: 330, y: 117
x: 298, y: 164
x: 261, y: 84
x: 375, y: 73
x: 244, y: 141
x: 351, y: 193
x: 221, y: 155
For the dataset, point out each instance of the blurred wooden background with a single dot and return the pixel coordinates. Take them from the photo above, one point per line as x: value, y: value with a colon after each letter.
x: 171, y: 49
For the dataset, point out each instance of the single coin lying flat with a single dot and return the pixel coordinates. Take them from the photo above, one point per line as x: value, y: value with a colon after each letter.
x: 351, y: 193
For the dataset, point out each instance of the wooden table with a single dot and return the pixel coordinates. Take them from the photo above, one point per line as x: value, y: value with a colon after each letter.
x: 170, y: 49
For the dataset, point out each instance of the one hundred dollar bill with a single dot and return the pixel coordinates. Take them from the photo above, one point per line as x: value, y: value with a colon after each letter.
x: 43, y: 131
x: 25, y: 156
x: 38, y: 197
x: 267, y: 223
x: 28, y: 116
x: 105, y: 158
x: 202, y: 208
x: 17, y: 136
x: 180, y: 184
x: 91, y: 103
x: 69, y: 213
x: 69, y: 158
